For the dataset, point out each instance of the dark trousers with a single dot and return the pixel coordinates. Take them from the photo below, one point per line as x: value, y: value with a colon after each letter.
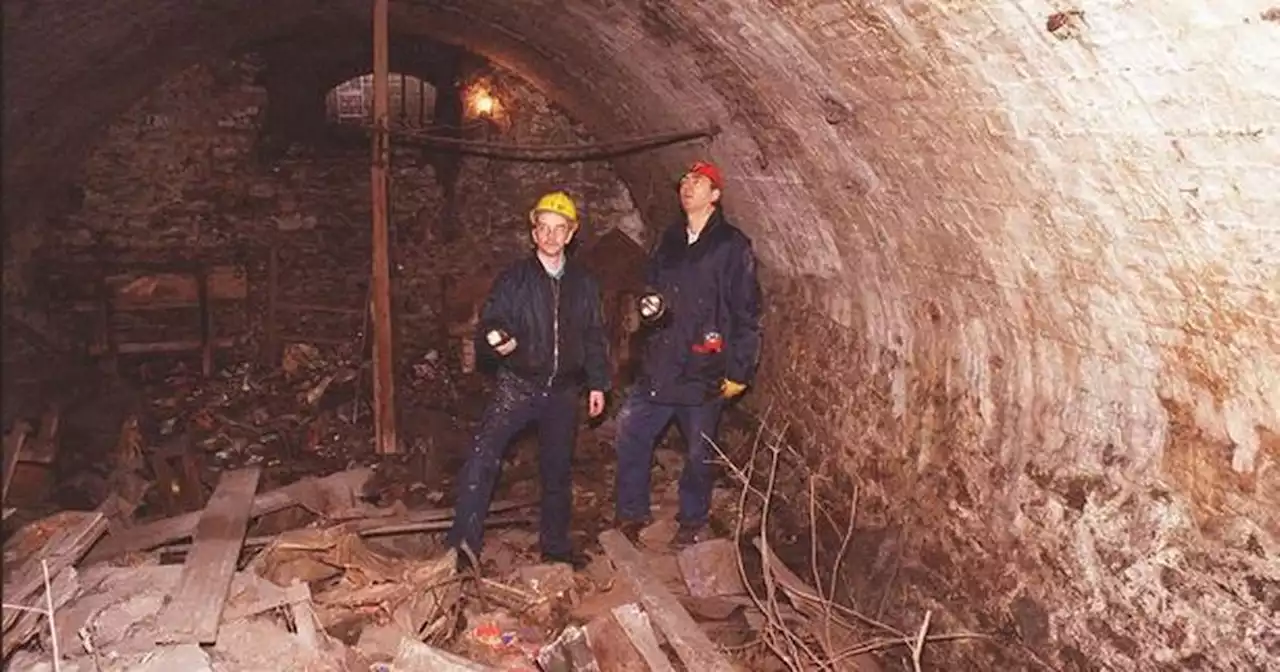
x: 640, y: 423
x: 516, y: 404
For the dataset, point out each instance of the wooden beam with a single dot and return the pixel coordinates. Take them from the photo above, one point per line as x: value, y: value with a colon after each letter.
x: 369, y: 527
x: 383, y: 380
x: 635, y: 623
x: 164, y: 346
x: 157, y: 533
x: 194, y: 611
x: 318, y: 308
x: 72, y: 533
x: 14, y: 441
x: 690, y: 642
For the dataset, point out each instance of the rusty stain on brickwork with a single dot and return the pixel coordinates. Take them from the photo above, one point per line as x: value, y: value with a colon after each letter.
x: 1065, y: 25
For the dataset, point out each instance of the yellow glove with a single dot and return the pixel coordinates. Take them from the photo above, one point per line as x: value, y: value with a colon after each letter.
x: 730, y: 389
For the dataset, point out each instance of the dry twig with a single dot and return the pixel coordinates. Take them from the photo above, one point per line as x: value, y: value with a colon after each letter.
x: 918, y: 647
x: 48, y: 612
x: 791, y: 647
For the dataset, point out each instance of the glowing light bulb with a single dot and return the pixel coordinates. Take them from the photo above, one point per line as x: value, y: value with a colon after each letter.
x: 483, y: 102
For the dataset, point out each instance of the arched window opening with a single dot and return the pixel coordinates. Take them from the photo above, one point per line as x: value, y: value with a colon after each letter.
x: 411, y: 101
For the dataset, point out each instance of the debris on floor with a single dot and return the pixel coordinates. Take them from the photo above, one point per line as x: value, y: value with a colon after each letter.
x: 240, y: 521
x: 328, y: 595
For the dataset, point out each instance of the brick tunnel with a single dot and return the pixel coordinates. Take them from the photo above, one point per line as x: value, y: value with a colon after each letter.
x: 1018, y: 260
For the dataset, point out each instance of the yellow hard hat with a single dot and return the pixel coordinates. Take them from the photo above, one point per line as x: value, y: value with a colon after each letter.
x: 557, y: 202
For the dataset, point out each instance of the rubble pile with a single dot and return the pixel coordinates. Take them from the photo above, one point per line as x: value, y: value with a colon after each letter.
x: 195, y: 590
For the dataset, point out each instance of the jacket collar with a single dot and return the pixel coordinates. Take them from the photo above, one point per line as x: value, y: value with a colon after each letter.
x: 536, y: 264
x: 678, y: 232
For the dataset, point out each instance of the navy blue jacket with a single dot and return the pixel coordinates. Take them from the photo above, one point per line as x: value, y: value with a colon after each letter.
x: 708, y: 287
x: 557, y: 324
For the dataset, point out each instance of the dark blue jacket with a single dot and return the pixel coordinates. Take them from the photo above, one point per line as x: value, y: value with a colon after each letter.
x: 557, y: 324
x: 709, y: 287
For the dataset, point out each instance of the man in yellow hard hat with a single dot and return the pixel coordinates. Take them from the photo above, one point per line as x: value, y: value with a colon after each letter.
x: 702, y: 312
x: 542, y: 325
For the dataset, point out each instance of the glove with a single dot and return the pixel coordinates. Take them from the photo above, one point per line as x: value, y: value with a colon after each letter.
x: 730, y: 389
x: 651, y: 307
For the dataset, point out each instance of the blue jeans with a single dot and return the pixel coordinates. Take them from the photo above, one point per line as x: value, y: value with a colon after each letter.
x: 516, y: 404
x: 640, y: 423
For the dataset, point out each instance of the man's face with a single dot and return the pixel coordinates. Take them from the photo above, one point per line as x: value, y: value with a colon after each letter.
x: 697, y: 193
x: 552, y: 232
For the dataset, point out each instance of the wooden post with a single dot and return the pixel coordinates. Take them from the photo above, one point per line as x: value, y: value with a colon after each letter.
x: 422, y: 105
x: 383, y: 380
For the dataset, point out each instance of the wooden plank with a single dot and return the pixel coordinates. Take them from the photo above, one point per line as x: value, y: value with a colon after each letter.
x: 304, y: 616
x: 135, y: 291
x: 13, y: 444
x: 315, y: 340
x: 383, y: 379
x: 75, y: 532
x: 194, y: 611
x: 319, y: 308
x: 636, y: 624
x: 160, y: 532
x: 435, y: 520
x: 164, y: 346
x: 611, y: 647
x: 690, y: 642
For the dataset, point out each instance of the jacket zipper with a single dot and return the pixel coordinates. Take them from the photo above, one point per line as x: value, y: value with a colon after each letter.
x: 555, y: 331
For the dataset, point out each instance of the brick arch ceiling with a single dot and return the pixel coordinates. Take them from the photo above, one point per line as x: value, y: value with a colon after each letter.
x: 1069, y: 240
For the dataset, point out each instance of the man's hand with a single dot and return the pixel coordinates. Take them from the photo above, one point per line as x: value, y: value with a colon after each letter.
x: 502, y: 342
x: 651, y: 307
x: 730, y: 389
x: 595, y: 403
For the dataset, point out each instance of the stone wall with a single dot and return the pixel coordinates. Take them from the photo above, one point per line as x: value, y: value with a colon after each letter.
x: 1076, y: 564
x: 180, y: 175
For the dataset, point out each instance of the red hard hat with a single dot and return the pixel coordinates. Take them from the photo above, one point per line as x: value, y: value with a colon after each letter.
x: 708, y: 170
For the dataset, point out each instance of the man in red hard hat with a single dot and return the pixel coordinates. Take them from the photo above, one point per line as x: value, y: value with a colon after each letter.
x: 542, y: 324
x: 702, y: 316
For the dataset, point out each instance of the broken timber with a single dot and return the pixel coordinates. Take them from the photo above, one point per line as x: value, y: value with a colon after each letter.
x: 635, y: 623
x: 63, y: 549
x: 169, y: 530
x: 690, y: 642
x: 160, y: 532
x: 434, y: 520
x: 195, y: 610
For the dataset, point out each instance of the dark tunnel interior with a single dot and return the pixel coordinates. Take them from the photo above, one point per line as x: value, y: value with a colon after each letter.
x: 1018, y: 401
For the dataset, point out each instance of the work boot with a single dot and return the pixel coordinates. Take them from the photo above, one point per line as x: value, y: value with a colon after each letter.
x: 690, y: 534
x: 631, y: 529
x: 575, y: 560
